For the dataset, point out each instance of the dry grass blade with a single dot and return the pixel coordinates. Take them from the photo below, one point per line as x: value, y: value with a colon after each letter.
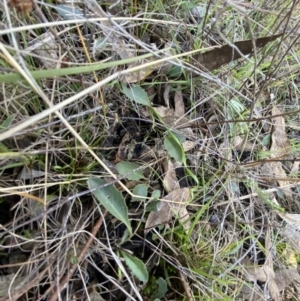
x: 119, y: 45
x: 73, y: 268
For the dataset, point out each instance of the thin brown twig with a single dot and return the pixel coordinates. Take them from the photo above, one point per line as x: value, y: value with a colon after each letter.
x: 73, y: 268
x: 25, y: 286
x: 185, y: 286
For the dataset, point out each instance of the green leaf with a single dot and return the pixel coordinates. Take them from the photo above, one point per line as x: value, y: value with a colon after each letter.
x: 68, y: 12
x: 136, y: 266
x: 141, y: 190
x: 156, y: 194
x: 152, y: 207
x: 3, y: 148
x: 181, y: 138
x: 111, y: 199
x: 125, y: 237
x: 7, y: 122
x: 266, y: 141
x: 162, y: 288
x: 100, y: 43
x: 175, y: 71
x: 127, y: 169
x: 137, y: 94
x: 50, y: 73
x: 74, y: 260
x: 234, y: 247
x: 173, y: 147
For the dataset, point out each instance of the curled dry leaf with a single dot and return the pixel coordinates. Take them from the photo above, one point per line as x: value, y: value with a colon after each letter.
x: 173, y: 120
x: 280, y: 144
x: 179, y: 104
x: 295, y: 167
x: 290, y: 233
x: 123, y: 148
x: 276, y: 281
x: 170, y: 180
x: 285, y: 277
x: 273, y: 289
x: 47, y: 49
x: 164, y: 111
x: 151, y: 65
x: 264, y: 274
x: 254, y: 273
x: 139, y: 75
x: 174, y: 204
x: 292, y: 237
x: 94, y: 296
x: 291, y: 219
x: 166, y: 94
x: 279, y: 147
x: 239, y: 144
x: 188, y: 145
x: 21, y: 6
x: 176, y: 120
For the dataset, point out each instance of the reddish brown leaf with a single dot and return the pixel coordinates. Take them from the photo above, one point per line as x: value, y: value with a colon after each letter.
x: 218, y: 57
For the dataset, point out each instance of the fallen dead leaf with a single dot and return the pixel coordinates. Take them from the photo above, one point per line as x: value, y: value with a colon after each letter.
x: 188, y: 145
x: 179, y: 104
x: 256, y: 273
x: 272, y: 285
x: 295, y: 167
x: 164, y: 111
x: 250, y: 292
x: 46, y: 48
x: 280, y: 146
x: 291, y: 219
x: 264, y: 274
x: 209, y: 61
x: 139, y: 75
x: 174, y: 120
x: 291, y: 235
x: 276, y: 281
x: 273, y: 289
x: 170, y: 180
x: 21, y: 6
x: 240, y: 145
x: 220, y: 56
x: 285, y: 277
x: 94, y: 295
x: 174, y: 204
x: 123, y: 148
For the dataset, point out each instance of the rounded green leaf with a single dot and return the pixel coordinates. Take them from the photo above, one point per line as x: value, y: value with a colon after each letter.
x: 111, y: 199
x: 162, y: 288
x: 128, y: 170
x: 141, y: 190
x: 173, y: 147
x: 136, y: 266
x: 137, y: 94
x: 156, y: 194
x: 68, y: 12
